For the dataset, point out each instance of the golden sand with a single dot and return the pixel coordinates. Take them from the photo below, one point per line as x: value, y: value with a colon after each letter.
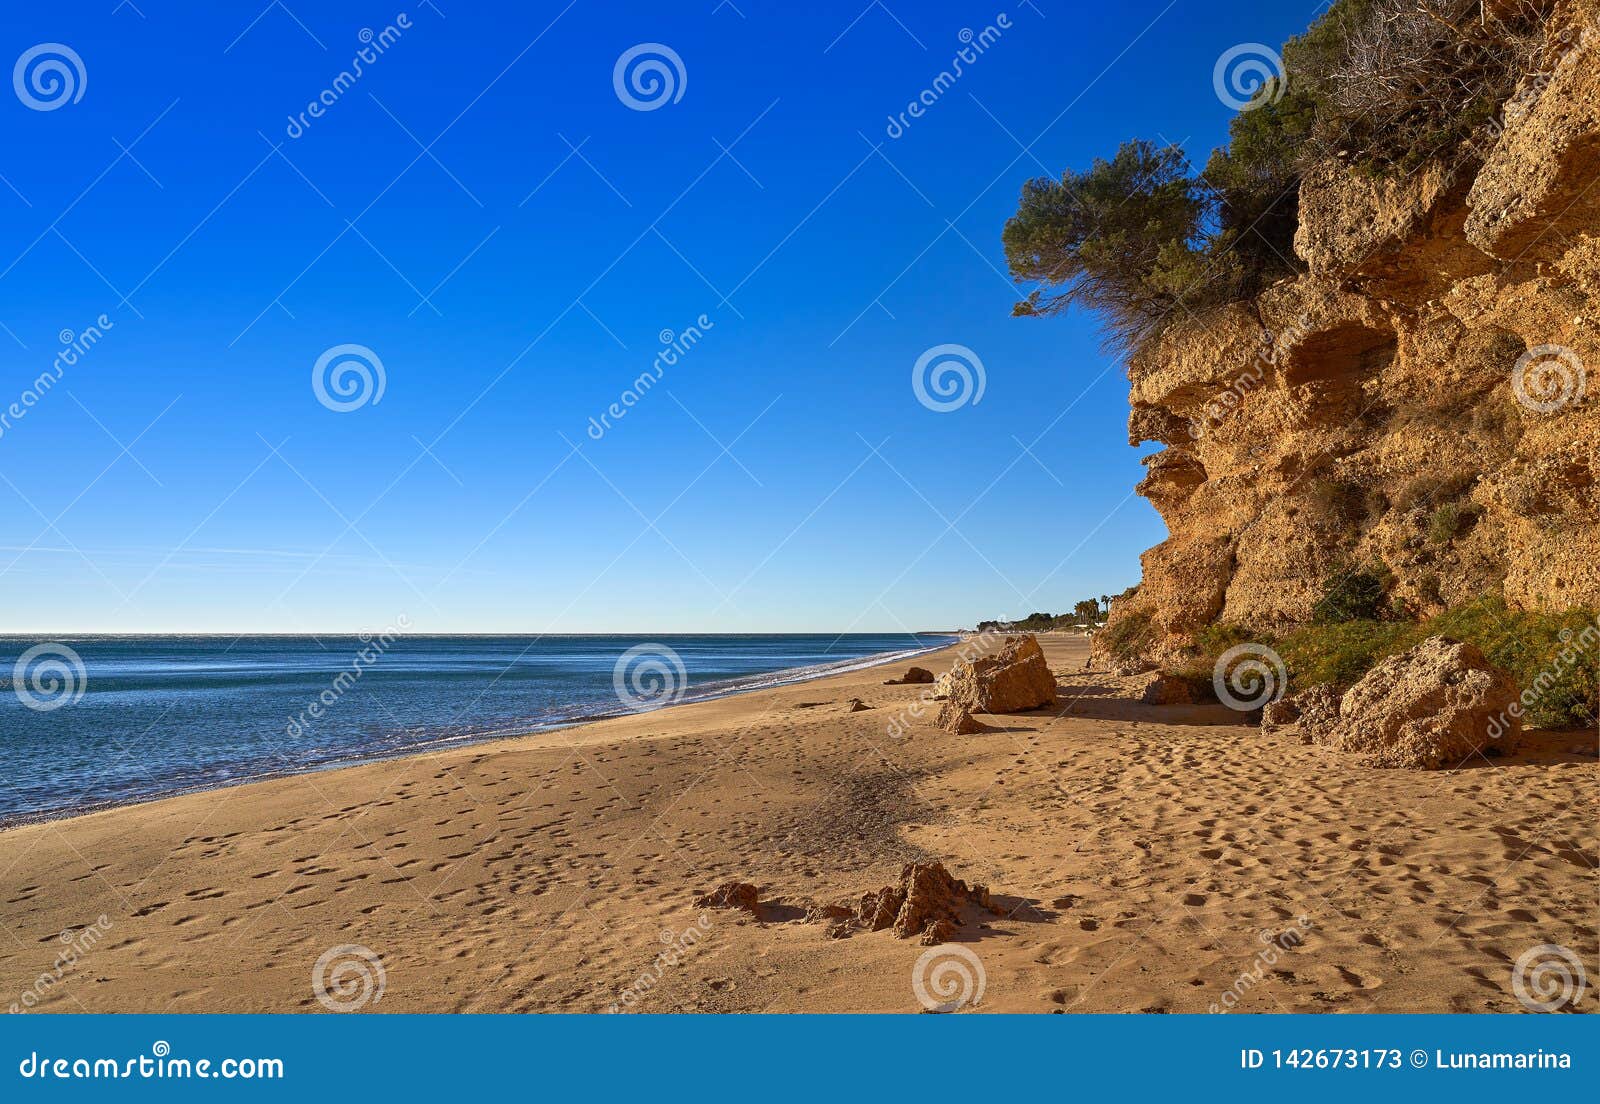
x: 1149, y: 859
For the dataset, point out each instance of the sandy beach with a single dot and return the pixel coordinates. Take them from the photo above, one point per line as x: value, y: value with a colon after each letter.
x: 1147, y: 858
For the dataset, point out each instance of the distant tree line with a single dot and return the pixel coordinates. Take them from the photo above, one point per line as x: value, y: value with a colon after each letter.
x: 1085, y: 615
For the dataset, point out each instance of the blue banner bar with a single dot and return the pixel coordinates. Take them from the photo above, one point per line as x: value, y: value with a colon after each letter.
x: 1045, y: 1058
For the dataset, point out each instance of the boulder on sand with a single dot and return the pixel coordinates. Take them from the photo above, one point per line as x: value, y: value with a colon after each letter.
x: 1165, y: 689
x: 913, y: 676
x: 1013, y: 679
x: 1310, y: 714
x: 1438, y: 705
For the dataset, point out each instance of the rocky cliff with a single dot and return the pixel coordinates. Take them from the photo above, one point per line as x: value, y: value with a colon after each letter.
x: 1416, y: 405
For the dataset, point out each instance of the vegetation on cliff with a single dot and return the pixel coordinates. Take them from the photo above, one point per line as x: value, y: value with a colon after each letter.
x: 1143, y: 239
x: 1555, y: 657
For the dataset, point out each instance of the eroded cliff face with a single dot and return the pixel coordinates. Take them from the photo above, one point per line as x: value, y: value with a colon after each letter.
x: 1424, y: 400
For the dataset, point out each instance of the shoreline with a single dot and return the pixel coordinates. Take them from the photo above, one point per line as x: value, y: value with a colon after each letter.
x: 749, y: 684
x: 1139, y: 854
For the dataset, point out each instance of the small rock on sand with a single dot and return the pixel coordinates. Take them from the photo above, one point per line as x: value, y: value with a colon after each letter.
x: 927, y: 901
x: 913, y: 676
x: 954, y: 719
x: 734, y: 895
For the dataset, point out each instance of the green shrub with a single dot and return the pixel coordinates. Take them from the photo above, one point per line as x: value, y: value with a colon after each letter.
x: 1352, y: 595
x: 1129, y: 637
x: 1120, y: 238
x: 1345, y: 502
x: 1340, y: 654
x: 1558, y: 673
x: 1380, y: 84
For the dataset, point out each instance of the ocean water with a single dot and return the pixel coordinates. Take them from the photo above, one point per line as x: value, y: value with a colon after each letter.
x: 87, y: 723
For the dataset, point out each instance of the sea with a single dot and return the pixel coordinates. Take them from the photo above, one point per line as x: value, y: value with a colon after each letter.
x: 93, y: 722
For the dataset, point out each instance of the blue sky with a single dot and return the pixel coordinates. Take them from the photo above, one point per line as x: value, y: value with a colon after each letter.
x: 484, y: 212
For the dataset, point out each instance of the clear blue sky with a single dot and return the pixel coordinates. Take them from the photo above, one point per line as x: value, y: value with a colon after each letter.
x: 184, y: 476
